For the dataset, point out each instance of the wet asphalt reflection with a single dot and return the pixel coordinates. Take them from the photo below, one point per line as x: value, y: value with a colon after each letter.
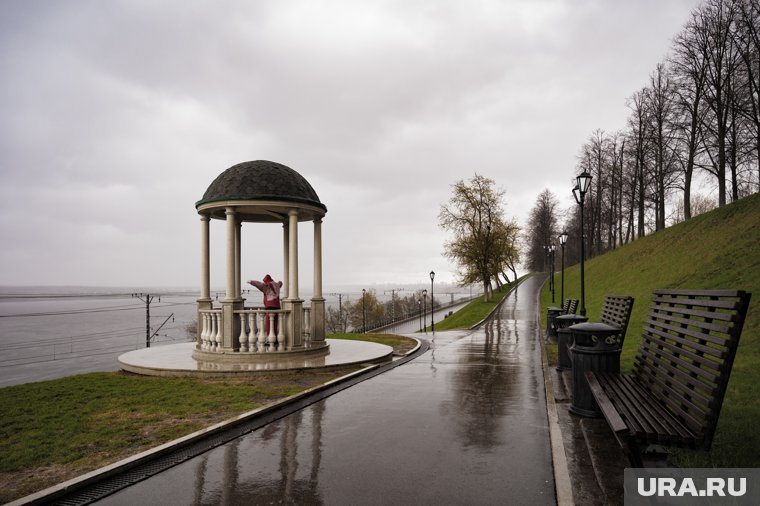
x: 465, y: 423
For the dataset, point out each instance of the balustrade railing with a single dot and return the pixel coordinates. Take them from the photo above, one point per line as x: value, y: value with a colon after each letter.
x: 211, y: 329
x: 307, y: 325
x: 261, y: 330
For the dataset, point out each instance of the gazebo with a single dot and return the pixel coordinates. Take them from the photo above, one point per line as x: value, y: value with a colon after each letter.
x: 260, y: 192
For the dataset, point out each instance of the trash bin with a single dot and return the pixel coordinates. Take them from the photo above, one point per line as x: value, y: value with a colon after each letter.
x: 596, y: 347
x: 551, y: 326
x: 565, y: 339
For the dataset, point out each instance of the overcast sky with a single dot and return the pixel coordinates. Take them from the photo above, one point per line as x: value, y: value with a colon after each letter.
x: 117, y: 115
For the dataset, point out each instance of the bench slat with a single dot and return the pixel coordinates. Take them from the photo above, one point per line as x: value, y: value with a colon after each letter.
x: 649, y: 421
x: 693, y: 312
x: 680, y: 344
x: 687, y: 411
x: 723, y: 329
x: 656, y: 355
x: 717, y: 304
x: 702, y: 392
x: 613, y: 418
x: 700, y: 293
x: 640, y: 413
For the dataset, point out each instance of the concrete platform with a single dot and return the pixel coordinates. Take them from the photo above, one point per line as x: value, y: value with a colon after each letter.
x: 177, y: 360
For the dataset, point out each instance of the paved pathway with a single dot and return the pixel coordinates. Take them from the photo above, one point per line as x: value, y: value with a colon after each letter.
x: 465, y: 423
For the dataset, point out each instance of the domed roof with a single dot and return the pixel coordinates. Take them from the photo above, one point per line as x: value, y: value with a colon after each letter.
x: 261, y: 180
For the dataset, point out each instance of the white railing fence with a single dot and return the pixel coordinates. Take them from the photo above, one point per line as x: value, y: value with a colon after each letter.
x: 261, y: 330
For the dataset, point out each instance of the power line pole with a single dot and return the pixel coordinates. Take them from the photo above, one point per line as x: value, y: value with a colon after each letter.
x: 340, y: 309
x: 147, y: 299
x: 393, y: 301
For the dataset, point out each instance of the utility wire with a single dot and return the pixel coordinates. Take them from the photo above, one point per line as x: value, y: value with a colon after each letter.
x: 128, y: 307
x: 74, y: 311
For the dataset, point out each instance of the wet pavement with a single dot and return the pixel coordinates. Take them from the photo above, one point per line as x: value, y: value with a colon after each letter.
x: 595, y: 461
x: 465, y: 423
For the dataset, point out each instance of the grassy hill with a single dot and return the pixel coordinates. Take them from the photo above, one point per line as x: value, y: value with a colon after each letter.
x: 717, y: 250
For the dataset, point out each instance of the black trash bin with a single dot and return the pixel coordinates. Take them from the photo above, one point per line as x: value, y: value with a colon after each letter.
x: 565, y: 339
x: 596, y: 347
x: 551, y: 326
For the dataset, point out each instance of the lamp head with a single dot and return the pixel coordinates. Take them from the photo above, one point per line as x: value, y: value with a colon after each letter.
x: 563, y: 237
x: 577, y: 194
x: 432, y: 275
x: 584, y: 181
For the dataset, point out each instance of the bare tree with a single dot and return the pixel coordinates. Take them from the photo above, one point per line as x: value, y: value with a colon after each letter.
x: 714, y: 40
x: 690, y: 73
x: 474, y: 214
x: 542, y: 230
x: 660, y: 101
x: 747, y: 39
x: 638, y: 124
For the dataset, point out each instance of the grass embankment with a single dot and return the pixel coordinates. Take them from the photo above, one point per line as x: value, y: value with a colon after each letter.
x: 475, y: 311
x: 55, y: 430
x: 717, y: 250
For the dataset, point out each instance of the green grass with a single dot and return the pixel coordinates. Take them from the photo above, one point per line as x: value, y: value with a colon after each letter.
x: 475, y: 311
x: 717, y: 250
x: 54, y: 430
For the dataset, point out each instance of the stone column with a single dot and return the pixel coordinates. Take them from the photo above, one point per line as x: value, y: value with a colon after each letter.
x: 317, y: 301
x: 231, y: 230
x: 238, y: 293
x: 232, y: 302
x: 293, y: 255
x: 204, y: 301
x: 293, y: 303
x: 205, y: 258
x: 285, y: 263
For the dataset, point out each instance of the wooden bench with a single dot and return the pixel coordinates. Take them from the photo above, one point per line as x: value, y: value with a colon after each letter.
x: 674, y: 395
x: 616, y: 311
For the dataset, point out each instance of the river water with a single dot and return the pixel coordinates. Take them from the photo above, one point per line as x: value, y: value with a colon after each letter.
x: 52, y: 332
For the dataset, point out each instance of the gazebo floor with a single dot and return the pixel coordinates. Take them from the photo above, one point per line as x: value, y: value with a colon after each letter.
x: 177, y: 360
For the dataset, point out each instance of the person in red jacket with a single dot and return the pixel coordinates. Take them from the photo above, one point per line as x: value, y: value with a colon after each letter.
x: 271, y: 291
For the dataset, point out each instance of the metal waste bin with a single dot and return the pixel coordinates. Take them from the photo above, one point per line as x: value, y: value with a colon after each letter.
x: 565, y: 339
x: 551, y: 326
x: 596, y: 347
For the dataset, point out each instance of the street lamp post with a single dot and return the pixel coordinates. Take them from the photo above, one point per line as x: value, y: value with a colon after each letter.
x: 364, y: 311
x: 562, y: 241
x: 419, y: 311
x: 579, y: 192
x: 432, y: 302
x: 552, y: 249
x: 424, y: 309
